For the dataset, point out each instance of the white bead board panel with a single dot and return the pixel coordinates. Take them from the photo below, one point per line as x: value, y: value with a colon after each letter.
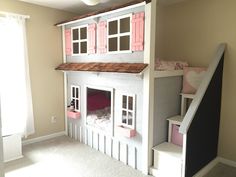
x: 106, y: 144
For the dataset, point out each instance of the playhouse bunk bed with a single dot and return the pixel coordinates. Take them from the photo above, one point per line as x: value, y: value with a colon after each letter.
x: 124, y: 103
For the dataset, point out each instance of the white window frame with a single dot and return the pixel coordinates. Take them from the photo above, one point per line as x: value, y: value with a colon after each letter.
x: 111, y: 90
x: 127, y: 110
x: 79, y: 40
x: 75, y: 98
x: 118, y: 35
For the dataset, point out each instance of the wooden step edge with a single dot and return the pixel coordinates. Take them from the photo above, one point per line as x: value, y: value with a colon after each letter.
x: 178, y: 119
x: 185, y: 95
x: 160, y: 173
x: 169, y: 149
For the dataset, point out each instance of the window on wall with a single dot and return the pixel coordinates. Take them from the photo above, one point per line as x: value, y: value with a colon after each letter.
x: 128, y: 111
x: 79, y: 40
x: 119, y: 34
x: 75, y: 97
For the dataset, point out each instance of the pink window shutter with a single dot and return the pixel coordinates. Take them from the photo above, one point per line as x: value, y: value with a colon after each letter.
x: 102, y: 37
x: 68, y: 41
x: 92, y: 38
x: 138, y: 31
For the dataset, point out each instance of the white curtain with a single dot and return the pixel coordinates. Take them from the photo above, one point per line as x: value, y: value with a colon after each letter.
x: 15, y: 90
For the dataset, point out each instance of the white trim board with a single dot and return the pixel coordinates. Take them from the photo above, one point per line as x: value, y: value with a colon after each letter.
x: 103, y: 14
x: 227, y: 161
x: 188, y: 118
x: 159, y: 74
x: 43, y: 138
x: 212, y: 164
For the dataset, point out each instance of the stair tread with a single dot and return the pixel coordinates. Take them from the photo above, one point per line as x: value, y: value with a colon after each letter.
x: 169, y: 149
x: 191, y: 96
x: 178, y: 119
x: 162, y: 173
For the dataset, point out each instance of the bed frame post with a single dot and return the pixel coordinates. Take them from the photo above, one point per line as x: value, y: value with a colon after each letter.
x: 148, y: 86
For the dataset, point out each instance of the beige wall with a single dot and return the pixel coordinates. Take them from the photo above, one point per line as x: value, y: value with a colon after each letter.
x: 45, y: 53
x: 191, y: 31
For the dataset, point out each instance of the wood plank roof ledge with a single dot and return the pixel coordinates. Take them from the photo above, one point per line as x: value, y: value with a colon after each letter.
x: 133, y: 68
x: 103, y: 11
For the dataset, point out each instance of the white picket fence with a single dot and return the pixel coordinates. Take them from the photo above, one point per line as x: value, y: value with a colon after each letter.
x: 104, y: 143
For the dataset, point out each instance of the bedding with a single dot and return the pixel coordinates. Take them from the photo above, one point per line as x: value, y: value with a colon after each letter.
x: 100, y: 118
x: 192, y: 79
x: 162, y: 65
x: 98, y: 101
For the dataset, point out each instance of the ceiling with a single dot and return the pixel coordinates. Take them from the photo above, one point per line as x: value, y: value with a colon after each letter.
x: 77, y: 6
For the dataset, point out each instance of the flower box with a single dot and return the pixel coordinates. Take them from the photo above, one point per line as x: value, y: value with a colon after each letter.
x: 73, y: 114
x: 125, y: 131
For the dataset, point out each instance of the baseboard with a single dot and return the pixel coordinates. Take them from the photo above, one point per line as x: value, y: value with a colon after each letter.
x: 43, y: 138
x: 15, y: 158
x: 207, y: 168
x: 227, y: 162
x: 213, y: 163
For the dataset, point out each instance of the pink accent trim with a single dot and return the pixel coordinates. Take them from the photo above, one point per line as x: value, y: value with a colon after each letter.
x: 92, y: 38
x: 73, y: 115
x: 68, y: 41
x: 102, y: 37
x: 125, y: 131
x: 138, y: 32
x: 176, y: 137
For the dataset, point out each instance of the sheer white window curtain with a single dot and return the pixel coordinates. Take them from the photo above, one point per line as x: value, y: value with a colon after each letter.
x: 15, y: 90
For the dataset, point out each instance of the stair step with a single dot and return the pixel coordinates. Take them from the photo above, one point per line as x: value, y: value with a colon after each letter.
x: 161, y: 173
x: 190, y: 96
x: 177, y: 120
x: 168, y: 156
x: 169, y: 149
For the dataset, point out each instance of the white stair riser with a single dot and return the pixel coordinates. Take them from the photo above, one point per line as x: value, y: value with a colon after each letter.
x: 165, y: 162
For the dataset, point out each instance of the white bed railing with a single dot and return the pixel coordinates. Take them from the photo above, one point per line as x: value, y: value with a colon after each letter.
x: 188, y: 118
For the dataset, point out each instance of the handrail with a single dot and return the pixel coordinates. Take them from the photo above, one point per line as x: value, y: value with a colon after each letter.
x: 188, y: 118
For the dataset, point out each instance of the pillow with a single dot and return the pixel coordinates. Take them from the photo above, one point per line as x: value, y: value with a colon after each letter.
x: 162, y: 65
x: 192, y: 79
x: 97, y: 101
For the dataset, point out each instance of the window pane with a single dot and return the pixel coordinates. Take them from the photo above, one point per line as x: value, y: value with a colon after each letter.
x: 125, y: 25
x: 73, y: 103
x: 130, y: 103
x: 76, y: 48
x: 130, y: 118
x: 77, y: 92
x: 75, y: 34
x: 83, y: 33
x: 124, y: 102
x: 113, y: 44
x: 77, y: 104
x: 83, y: 48
x: 113, y: 27
x: 73, y: 91
x: 124, y: 117
x: 124, y: 43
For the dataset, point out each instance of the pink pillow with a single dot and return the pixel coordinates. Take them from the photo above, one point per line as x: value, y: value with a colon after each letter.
x: 192, y: 79
x: 97, y: 101
x: 162, y: 65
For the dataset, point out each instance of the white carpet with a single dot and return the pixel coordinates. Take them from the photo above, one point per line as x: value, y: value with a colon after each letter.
x: 65, y: 157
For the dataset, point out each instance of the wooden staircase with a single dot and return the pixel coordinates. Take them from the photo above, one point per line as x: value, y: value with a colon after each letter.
x: 168, y: 156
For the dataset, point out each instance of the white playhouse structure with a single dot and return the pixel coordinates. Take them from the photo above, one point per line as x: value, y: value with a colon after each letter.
x: 117, y: 103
